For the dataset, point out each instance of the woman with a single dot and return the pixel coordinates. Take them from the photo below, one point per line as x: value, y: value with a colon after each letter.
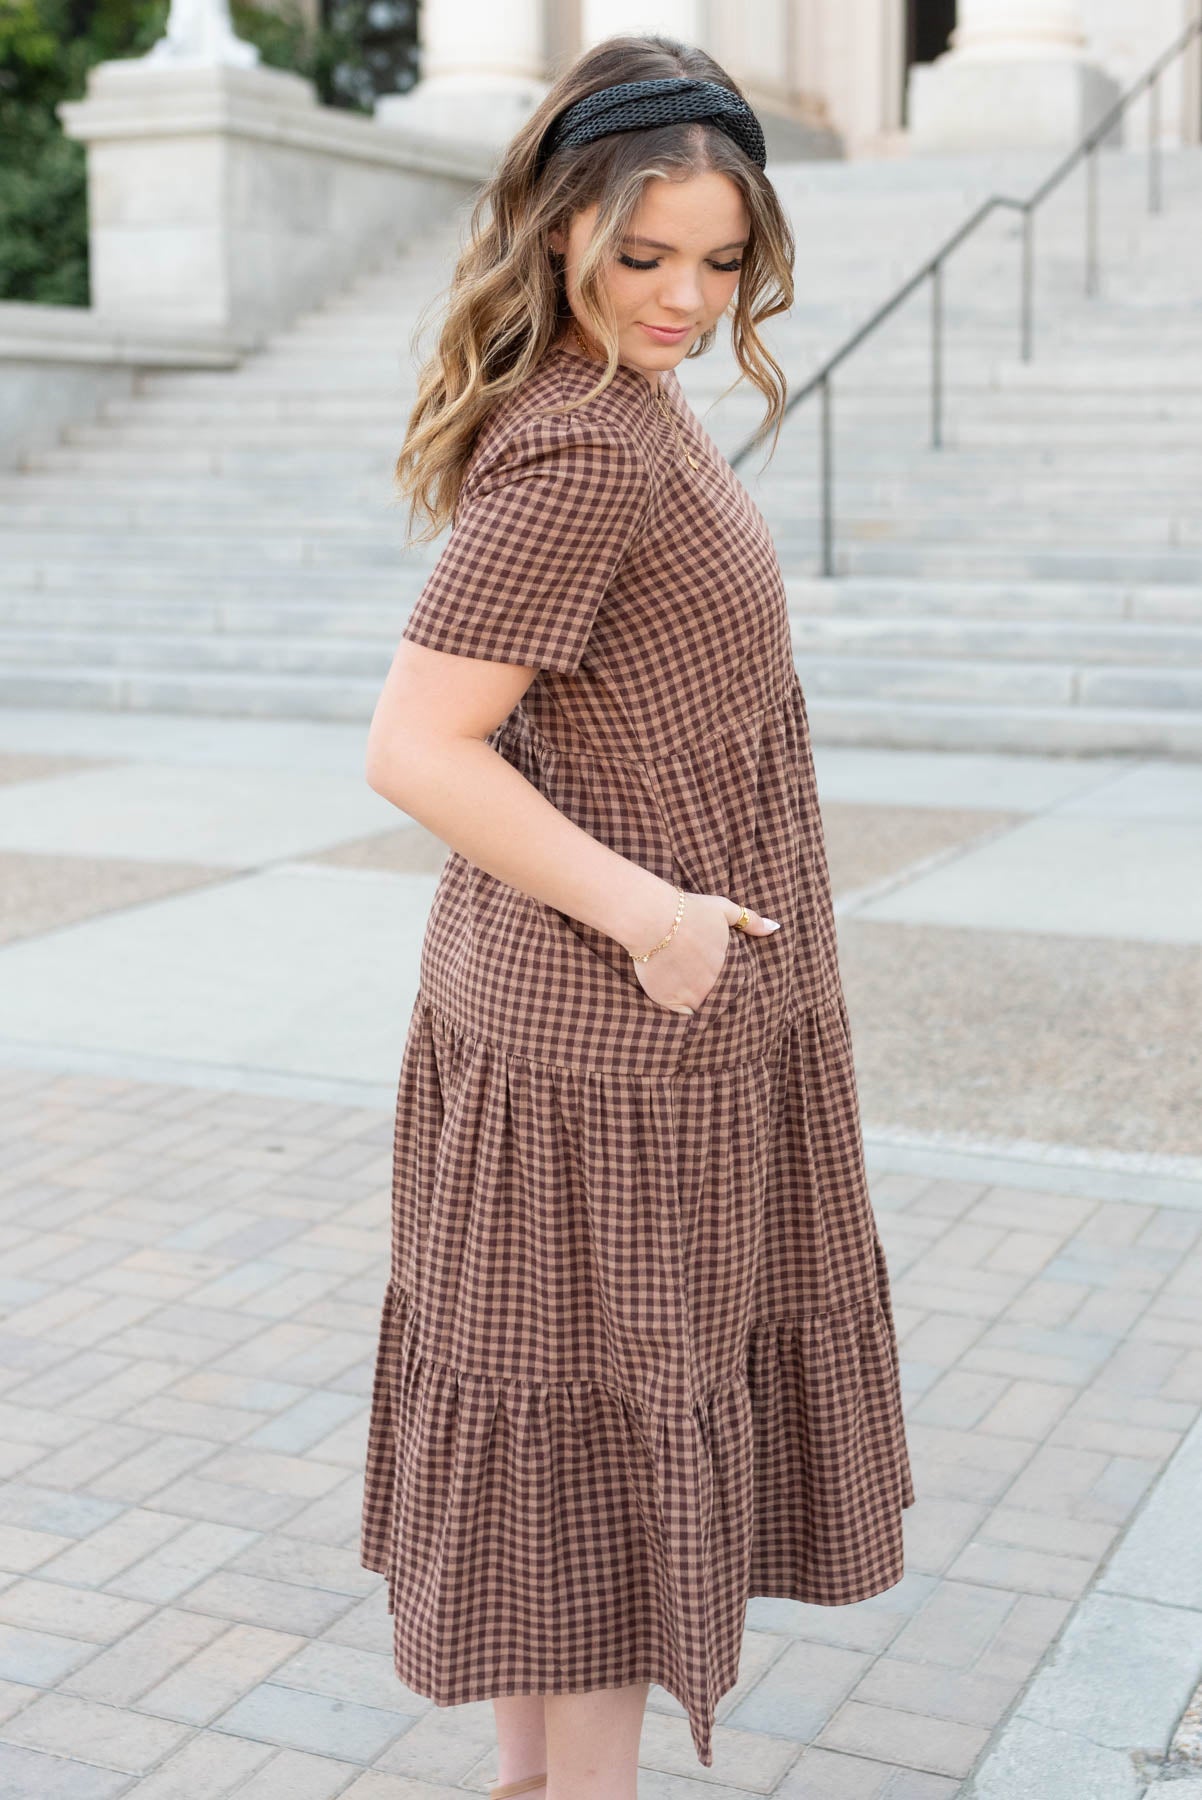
x: 637, y: 1359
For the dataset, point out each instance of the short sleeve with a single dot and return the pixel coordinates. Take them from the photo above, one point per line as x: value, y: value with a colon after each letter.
x: 542, y: 526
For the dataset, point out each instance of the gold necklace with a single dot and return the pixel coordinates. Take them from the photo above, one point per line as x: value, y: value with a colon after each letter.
x: 660, y: 402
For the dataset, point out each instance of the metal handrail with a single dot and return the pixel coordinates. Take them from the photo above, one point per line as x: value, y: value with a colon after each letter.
x: 932, y: 271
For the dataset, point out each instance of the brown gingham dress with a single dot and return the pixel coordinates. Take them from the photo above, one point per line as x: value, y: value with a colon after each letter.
x: 637, y: 1359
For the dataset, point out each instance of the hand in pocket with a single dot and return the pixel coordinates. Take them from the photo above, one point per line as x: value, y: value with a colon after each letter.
x: 681, y: 976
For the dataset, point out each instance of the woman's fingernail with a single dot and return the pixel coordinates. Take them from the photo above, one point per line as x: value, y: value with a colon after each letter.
x: 772, y: 924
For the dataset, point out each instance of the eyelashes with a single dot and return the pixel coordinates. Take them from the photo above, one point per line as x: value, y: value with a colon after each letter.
x: 726, y: 268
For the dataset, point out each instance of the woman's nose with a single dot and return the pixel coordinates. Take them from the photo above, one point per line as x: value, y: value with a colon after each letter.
x: 681, y: 293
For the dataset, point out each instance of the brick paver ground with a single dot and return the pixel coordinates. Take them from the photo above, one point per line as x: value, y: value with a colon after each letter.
x: 191, y: 1283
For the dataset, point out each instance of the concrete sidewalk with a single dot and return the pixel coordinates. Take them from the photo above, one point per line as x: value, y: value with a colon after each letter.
x: 1100, y: 1712
x: 1020, y: 936
x: 212, y: 930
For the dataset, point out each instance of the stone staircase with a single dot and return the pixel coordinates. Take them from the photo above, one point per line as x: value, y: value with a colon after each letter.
x: 1036, y: 583
x: 227, y: 542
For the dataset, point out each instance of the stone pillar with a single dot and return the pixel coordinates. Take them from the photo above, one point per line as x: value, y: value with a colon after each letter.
x: 1018, y: 76
x: 857, y: 58
x: 757, y: 44
x: 226, y: 199
x: 679, y: 19
x: 1024, y: 28
x: 482, y: 73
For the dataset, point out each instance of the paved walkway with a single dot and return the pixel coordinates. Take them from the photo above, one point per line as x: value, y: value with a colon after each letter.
x: 209, y: 967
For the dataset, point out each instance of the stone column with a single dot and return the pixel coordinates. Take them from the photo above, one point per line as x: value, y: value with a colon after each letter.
x: 223, y: 197
x: 1018, y: 76
x: 482, y: 73
x: 1019, y: 28
x: 672, y: 18
x: 757, y: 44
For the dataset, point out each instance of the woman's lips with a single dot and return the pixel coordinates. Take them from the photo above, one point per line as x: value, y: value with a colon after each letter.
x: 664, y: 334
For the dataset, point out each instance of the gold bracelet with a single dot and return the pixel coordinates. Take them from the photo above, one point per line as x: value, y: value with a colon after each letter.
x: 671, y: 934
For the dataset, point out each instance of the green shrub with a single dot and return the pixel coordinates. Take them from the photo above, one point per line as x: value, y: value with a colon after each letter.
x: 46, y: 50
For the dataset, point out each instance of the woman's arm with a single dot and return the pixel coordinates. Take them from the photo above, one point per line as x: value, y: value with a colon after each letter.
x: 426, y: 753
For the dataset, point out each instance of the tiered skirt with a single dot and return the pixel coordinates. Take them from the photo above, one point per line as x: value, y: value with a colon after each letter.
x: 636, y: 1365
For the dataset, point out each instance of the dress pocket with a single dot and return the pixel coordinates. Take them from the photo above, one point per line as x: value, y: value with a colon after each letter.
x: 729, y: 977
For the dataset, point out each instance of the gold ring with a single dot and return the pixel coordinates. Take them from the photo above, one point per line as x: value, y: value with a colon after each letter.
x: 740, y: 921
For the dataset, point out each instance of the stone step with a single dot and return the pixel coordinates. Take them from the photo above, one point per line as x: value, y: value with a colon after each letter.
x: 918, y: 523
x: 248, y: 653
x: 369, y: 544
x: 1034, y: 434
x: 960, y: 479
x: 932, y: 484
x: 1080, y: 642
x: 236, y: 434
x: 116, y: 578
x: 133, y: 462
x: 834, y: 273
x: 1099, y: 387
x: 948, y: 725
x: 921, y: 508
x: 969, y: 561
x: 890, y: 599
x: 975, y: 348
x: 984, y: 416
x: 918, y: 519
x: 996, y: 562
x: 968, y: 679
x: 312, y: 640
x: 327, y: 618
x: 984, y: 284
x: 224, y: 693
x: 234, y: 403
x: 833, y: 278
x: 150, y: 562
x: 908, y: 516
x: 971, y: 367
x: 976, y: 357
x: 1122, y: 369
x: 231, y: 541
x: 950, y: 481
x: 871, y: 454
x: 897, y: 722
x: 974, y: 362
x: 372, y: 603
x: 237, y: 516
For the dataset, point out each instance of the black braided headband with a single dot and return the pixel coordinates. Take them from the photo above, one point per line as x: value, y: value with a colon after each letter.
x: 665, y: 100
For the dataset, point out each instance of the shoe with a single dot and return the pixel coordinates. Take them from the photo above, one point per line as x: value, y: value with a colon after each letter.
x: 517, y: 1787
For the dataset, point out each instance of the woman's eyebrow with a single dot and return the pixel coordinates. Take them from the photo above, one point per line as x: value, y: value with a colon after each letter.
x: 653, y: 244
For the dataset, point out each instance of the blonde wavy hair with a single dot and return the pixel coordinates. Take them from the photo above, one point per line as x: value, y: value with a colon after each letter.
x: 506, y: 301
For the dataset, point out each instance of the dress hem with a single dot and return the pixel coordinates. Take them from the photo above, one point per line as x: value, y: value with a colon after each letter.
x: 470, y: 1693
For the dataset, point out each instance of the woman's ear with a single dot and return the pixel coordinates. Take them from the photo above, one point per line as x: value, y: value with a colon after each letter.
x: 555, y: 238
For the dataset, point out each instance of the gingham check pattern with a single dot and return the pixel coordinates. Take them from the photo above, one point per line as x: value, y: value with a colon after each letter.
x: 637, y: 1360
